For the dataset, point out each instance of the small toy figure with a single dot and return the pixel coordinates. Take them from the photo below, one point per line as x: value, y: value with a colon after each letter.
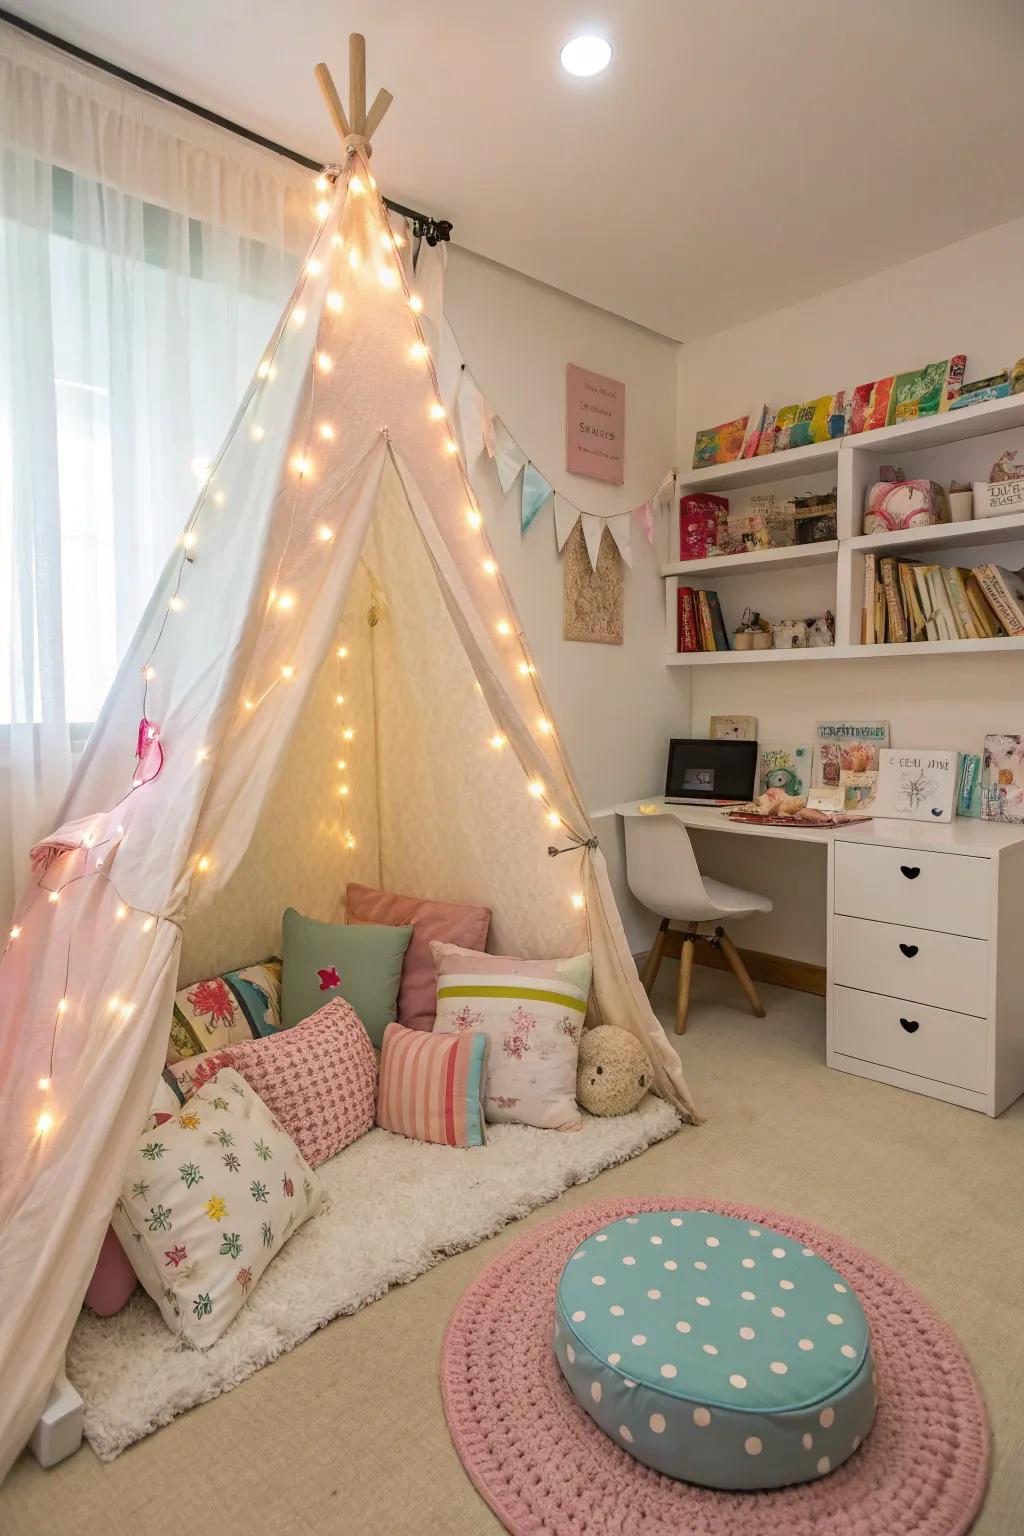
x: 613, y: 1072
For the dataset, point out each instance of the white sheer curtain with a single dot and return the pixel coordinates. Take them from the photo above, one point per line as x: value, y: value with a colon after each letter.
x: 144, y: 257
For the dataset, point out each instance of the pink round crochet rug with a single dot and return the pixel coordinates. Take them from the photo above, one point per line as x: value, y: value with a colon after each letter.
x: 543, y: 1465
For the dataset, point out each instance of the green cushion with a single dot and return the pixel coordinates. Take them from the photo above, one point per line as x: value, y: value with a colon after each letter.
x: 361, y: 963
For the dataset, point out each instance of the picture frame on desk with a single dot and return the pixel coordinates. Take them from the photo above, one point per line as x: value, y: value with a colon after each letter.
x: 917, y: 784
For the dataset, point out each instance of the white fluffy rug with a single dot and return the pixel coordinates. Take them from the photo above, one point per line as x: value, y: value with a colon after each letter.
x: 398, y: 1208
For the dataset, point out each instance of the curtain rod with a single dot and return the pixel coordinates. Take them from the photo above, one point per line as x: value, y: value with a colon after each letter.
x: 423, y: 224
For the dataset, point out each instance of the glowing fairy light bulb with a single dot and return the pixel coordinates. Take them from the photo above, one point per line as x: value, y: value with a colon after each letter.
x: 339, y: 699
x: 297, y: 315
x: 325, y: 534
x: 314, y: 267
x: 342, y: 789
x: 322, y: 208
x: 302, y: 464
x: 497, y: 742
x: 451, y: 446
x: 127, y: 1009
x: 63, y: 1005
x: 418, y: 351
x: 399, y: 240
x: 335, y: 302
x: 149, y: 673
x: 387, y: 278
x: 490, y: 567
x: 348, y: 733
x: 256, y: 432
x: 202, y: 755
x: 121, y: 913
x: 188, y: 540
x: 288, y: 672
x: 16, y: 931
x: 536, y: 789
x: 43, y: 1084
x: 324, y: 362
x: 350, y: 842
x: 176, y: 604
x: 263, y: 371
x: 342, y: 765
x: 356, y: 186
x: 545, y: 727
x: 203, y: 864
x: 54, y: 898
x: 327, y: 432
x: 218, y: 498
x: 337, y: 241
x: 554, y: 819
x: 415, y: 303
x: 437, y: 411
x: 342, y: 652
x: 114, y: 1004
x: 321, y: 184
x: 524, y: 669
x: 353, y: 259
x: 578, y: 901
x: 286, y: 602
x: 148, y: 925
x: 503, y: 627
x: 248, y: 704
x: 44, y: 1123
x: 473, y: 518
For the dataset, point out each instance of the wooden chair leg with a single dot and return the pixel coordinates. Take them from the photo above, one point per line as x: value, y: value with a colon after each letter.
x: 649, y: 974
x: 685, y: 978
x: 741, y: 973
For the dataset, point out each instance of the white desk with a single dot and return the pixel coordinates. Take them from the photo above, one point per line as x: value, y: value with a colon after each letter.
x: 925, y: 962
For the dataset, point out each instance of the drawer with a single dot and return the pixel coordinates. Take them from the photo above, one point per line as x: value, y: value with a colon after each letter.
x: 944, y: 891
x: 945, y: 1047
x: 939, y: 968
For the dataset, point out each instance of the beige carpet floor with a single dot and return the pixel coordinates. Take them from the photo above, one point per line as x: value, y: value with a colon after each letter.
x: 346, y: 1434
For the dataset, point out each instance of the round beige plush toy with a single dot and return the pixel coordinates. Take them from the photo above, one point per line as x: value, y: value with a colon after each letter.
x: 614, y: 1071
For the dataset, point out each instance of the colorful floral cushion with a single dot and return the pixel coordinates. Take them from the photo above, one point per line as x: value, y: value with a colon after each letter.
x: 362, y: 964
x: 431, y: 1087
x: 441, y: 920
x: 211, y: 1195
x: 241, y: 1005
x: 319, y: 1079
x: 533, y: 1012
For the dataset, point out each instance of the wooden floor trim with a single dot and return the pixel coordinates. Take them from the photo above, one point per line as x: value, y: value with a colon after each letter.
x: 776, y: 970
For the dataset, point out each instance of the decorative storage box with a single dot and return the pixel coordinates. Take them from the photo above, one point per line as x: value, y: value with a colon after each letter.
x: 896, y: 504
x: 998, y: 497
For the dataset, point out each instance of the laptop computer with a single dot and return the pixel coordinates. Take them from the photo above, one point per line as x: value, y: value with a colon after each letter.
x: 710, y: 772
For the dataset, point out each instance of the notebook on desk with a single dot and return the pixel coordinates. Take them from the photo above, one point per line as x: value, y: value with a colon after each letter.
x: 716, y: 773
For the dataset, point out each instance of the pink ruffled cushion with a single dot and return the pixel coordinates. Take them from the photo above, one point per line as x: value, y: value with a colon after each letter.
x: 431, y: 920
x: 113, y: 1279
x: 319, y: 1080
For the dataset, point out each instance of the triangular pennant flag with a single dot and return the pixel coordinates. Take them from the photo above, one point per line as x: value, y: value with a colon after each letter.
x: 593, y: 532
x: 468, y: 401
x: 645, y: 516
x: 509, y: 458
x: 487, y: 427
x: 665, y: 494
x: 566, y: 518
x: 620, y: 529
x: 535, y: 493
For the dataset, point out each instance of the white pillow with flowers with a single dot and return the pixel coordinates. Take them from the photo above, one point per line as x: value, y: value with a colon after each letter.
x: 212, y: 1193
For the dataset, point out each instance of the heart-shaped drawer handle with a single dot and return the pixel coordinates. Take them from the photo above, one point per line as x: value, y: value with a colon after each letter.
x: 910, y: 870
x: 910, y: 950
x: 910, y: 1025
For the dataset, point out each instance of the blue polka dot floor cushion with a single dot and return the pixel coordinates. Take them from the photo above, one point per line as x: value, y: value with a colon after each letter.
x: 715, y: 1351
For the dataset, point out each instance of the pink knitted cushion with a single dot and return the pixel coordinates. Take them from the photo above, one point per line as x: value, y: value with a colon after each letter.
x: 318, y: 1079
x: 444, y: 920
x: 113, y: 1279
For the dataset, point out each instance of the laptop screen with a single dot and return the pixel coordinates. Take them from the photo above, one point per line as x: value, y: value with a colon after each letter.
x: 711, y: 770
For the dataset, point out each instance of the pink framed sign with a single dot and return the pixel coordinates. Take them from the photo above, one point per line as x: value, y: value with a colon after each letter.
x: 595, y: 425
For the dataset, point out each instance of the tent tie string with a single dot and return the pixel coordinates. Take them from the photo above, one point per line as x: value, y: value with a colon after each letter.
x: 576, y: 843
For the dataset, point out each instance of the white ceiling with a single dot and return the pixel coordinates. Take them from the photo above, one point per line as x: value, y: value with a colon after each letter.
x: 736, y: 157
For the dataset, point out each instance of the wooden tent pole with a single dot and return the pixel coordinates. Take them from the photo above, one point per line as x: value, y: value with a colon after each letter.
x: 357, y: 81
x: 356, y: 130
x: 333, y: 100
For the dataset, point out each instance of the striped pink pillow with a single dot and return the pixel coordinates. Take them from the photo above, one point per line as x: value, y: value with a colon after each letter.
x: 431, y: 1087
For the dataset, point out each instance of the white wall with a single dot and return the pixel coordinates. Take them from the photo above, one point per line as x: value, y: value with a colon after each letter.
x: 616, y: 706
x: 965, y: 297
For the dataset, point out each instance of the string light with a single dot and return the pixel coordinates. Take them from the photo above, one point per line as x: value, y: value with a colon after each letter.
x: 248, y: 704
x: 437, y: 411
x: 314, y: 267
x: 301, y: 464
x: 415, y: 303
x: 286, y: 602
x: 339, y: 699
x: 44, y: 1083
x: 127, y: 1010
x: 577, y: 900
x: 322, y: 208
x: 202, y: 864
x: 218, y: 498
x: 148, y: 925
x: 536, y: 789
x: 554, y: 819
x: 347, y: 734
x: 327, y: 431
x: 321, y: 184
x: 297, y: 315
x: 63, y: 1005
x: 334, y: 300
x: 503, y: 627
x: 398, y: 239
x: 342, y: 789
x: 387, y: 278
x: 497, y: 742
x: 288, y: 672
x: 54, y: 897
x: 121, y: 913
x: 524, y: 669
x: 256, y: 433
x: 44, y: 1123
x: 324, y: 533
x: 342, y: 765
x: 353, y: 259
x: 263, y: 371
x: 149, y: 673
x: 324, y: 362
x: 545, y: 727
x: 337, y: 241
x: 189, y: 539
x: 114, y: 1004
x: 350, y: 841
x: 418, y: 351
x: 451, y: 446
x: 490, y: 567
x: 356, y: 186
x: 16, y: 931
x: 342, y: 652
x: 473, y: 518
x: 202, y: 755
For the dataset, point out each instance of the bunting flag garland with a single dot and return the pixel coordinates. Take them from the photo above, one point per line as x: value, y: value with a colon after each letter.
x: 566, y: 518
x: 645, y: 517
x: 509, y: 458
x: 535, y: 493
x: 593, y: 532
x: 468, y: 412
x: 620, y: 530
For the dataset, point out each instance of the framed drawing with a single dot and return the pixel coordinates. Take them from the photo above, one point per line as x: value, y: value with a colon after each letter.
x: 592, y: 600
x: 916, y: 784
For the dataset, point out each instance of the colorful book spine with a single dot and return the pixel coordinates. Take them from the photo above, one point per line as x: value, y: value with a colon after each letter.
x: 898, y: 632
x: 968, y: 794
x: 687, y: 638
x: 867, y: 620
x: 1002, y: 598
x: 718, y: 629
x: 704, y: 625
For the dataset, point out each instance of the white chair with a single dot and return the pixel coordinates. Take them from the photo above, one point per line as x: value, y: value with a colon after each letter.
x: 662, y: 873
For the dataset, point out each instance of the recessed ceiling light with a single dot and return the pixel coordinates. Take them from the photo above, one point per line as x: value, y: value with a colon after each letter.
x: 586, y: 55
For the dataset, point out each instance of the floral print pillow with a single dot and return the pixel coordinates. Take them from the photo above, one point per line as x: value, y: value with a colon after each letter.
x: 211, y: 1196
x: 240, y: 1005
x: 532, y: 1012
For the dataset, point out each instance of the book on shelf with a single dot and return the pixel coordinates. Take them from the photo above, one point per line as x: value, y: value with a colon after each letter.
x: 908, y: 601
x: 719, y: 633
x: 687, y: 638
x: 699, y: 622
x: 704, y: 626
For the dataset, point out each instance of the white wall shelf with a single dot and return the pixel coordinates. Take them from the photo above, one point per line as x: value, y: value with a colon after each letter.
x: 797, y: 581
x: 815, y: 459
x: 823, y: 553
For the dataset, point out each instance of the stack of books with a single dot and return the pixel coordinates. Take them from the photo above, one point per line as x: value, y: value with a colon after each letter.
x: 908, y: 600
x: 699, y: 622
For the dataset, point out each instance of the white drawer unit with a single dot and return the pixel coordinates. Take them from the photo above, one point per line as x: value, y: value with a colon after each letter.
x: 926, y: 960
x: 909, y: 1037
x: 905, y: 885
x: 938, y: 968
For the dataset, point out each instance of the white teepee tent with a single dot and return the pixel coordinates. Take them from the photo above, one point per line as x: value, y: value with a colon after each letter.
x: 332, y: 685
